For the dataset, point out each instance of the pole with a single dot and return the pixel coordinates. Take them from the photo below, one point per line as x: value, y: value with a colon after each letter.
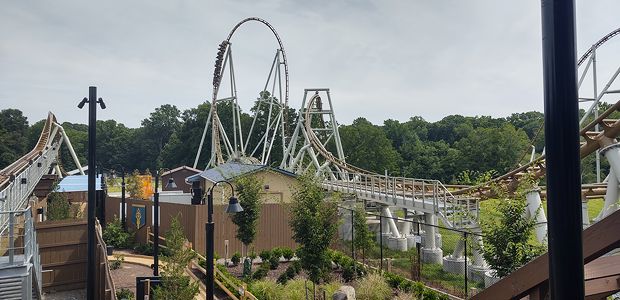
x: 123, y: 213
x: 381, y: 241
x: 418, y: 246
x: 92, y: 193
x: 156, y: 227
x: 352, y: 235
x: 210, y: 229
x: 465, y: 246
x: 566, y: 275
x: 102, y: 199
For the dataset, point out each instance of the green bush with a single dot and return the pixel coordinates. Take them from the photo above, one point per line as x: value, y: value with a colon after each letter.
x: 58, y: 207
x: 117, y: 262
x: 274, y: 262
x: 124, y: 293
x: 236, y: 258
x: 288, y: 253
x: 252, y: 254
x: 265, y: 255
x: 267, y: 290
x: 282, y: 279
x: 348, y: 273
x: 261, y: 272
x: 276, y: 252
x: 144, y: 249
x: 114, y: 235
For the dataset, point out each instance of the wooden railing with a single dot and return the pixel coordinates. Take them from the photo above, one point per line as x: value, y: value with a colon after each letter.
x: 242, y: 290
x: 103, y: 279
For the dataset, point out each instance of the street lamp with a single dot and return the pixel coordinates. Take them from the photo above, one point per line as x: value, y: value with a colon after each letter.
x: 123, y: 213
x: 172, y: 185
x: 233, y: 207
x: 92, y: 142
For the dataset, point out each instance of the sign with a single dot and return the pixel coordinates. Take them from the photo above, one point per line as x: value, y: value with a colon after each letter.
x: 417, y: 239
x: 138, y: 215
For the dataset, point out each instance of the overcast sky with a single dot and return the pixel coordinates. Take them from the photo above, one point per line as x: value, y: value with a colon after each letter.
x: 381, y: 59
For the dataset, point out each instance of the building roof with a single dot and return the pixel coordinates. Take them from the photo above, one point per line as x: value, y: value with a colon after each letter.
x: 77, y: 183
x: 181, y: 168
x: 231, y: 170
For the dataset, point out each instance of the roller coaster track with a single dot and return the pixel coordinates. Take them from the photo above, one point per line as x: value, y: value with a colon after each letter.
x: 596, y: 45
x: 18, y: 180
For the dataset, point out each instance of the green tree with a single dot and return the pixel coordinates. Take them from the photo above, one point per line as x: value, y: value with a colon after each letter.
x: 132, y: 184
x: 13, y: 134
x: 507, y: 239
x: 175, y: 283
x: 314, y: 220
x: 366, y: 146
x: 58, y: 207
x: 362, y: 238
x: 249, y: 189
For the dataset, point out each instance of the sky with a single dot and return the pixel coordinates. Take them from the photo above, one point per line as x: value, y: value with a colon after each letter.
x: 381, y: 59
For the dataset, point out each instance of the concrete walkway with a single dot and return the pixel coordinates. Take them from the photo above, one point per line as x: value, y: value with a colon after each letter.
x: 148, y: 261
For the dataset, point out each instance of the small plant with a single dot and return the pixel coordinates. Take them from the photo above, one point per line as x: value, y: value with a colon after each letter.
x: 58, y: 207
x: 296, y: 266
x: 288, y: 253
x: 373, y: 287
x: 124, y: 294
x: 144, y: 249
x: 261, y: 272
x: 114, y: 235
x: 117, y: 262
x: 236, y: 258
x: 282, y: 279
x: 274, y: 262
x: 276, y: 252
x: 265, y: 255
x: 348, y: 273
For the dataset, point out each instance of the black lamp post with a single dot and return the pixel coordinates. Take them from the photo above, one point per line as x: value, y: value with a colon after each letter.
x: 233, y: 207
x: 123, y: 213
x: 92, y: 132
x: 172, y: 185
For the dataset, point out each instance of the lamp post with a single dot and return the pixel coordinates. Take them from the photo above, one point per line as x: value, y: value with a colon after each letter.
x: 92, y: 140
x: 172, y: 185
x: 123, y: 213
x: 233, y: 207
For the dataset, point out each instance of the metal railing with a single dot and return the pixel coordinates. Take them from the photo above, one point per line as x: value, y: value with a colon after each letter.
x: 19, y: 243
x: 416, y: 194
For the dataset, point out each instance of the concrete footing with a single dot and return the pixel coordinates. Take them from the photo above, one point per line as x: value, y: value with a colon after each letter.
x: 432, y: 256
x: 454, y: 265
x: 398, y: 244
x: 489, y: 279
x: 477, y: 273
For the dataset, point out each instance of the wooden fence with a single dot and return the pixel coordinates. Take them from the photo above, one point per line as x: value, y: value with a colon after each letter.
x: 63, y: 247
x: 273, y: 225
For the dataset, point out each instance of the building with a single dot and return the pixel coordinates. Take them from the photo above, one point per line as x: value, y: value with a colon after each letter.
x: 178, y: 174
x: 278, y: 184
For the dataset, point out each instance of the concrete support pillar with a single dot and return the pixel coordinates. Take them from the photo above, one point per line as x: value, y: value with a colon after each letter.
x: 611, y: 195
x: 478, y: 268
x: 430, y: 253
x: 393, y: 228
x: 535, y: 211
x: 612, y: 153
x: 395, y: 241
x: 455, y: 262
x: 585, y: 218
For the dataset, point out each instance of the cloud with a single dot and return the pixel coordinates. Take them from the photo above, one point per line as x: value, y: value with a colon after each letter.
x: 381, y: 59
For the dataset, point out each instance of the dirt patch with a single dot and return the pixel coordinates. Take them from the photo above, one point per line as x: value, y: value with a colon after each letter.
x: 125, y: 277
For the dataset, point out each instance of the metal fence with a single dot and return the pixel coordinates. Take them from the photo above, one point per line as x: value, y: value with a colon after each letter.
x: 454, y: 264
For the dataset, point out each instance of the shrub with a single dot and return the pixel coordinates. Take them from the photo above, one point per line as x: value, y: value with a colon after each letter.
x: 276, y: 252
x: 267, y: 289
x: 261, y: 272
x: 58, y: 207
x: 291, y: 272
x: 114, y: 235
x: 124, y: 293
x: 373, y: 287
x: 252, y: 254
x: 265, y: 255
x: 288, y: 253
x: 348, y: 273
x: 236, y: 258
x: 116, y: 263
x: 282, y: 279
x: 144, y: 249
x: 274, y: 262
x: 296, y: 266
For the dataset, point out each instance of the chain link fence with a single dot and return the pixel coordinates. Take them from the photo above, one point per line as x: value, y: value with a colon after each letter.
x: 452, y: 262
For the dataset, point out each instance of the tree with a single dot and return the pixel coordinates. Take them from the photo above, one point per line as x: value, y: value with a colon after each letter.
x: 507, y: 238
x: 13, y: 134
x: 133, y: 185
x: 362, y: 238
x: 175, y: 284
x: 366, y: 146
x: 58, y: 207
x: 249, y: 189
x: 314, y: 220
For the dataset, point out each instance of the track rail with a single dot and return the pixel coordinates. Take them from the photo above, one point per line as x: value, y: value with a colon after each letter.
x: 596, y: 45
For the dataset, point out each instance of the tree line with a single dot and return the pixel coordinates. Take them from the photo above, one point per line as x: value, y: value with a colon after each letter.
x: 452, y: 149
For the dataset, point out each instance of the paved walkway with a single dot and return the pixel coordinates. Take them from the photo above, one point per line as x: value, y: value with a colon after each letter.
x: 148, y: 261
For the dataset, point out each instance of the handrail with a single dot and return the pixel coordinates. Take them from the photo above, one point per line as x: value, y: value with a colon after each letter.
x: 246, y: 294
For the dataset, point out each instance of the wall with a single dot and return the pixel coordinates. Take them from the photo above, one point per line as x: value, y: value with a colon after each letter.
x: 273, y: 227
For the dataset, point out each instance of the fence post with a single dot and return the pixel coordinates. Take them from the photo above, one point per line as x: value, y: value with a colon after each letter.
x: 418, y: 246
x: 352, y: 234
x: 11, y: 237
x: 465, y: 246
x: 381, y: 241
